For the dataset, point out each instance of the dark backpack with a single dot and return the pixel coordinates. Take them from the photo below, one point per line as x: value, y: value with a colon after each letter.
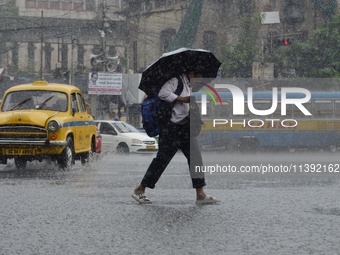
x: 157, y: 112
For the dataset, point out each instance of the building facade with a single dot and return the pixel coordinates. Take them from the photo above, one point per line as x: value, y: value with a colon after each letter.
x: 49, y: 35
x: 154, y: 24
x: 51, y: 38
x: 61, y: 35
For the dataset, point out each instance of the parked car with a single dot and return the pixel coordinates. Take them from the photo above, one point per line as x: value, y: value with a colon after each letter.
x: 41, y: 120
x: 121, y: 137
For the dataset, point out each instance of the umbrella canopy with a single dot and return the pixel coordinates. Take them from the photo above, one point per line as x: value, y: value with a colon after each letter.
x: 175, y: 63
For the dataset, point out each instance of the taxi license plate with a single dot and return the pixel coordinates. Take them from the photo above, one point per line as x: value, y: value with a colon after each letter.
x: 21, y: 152
x: 150, y: 147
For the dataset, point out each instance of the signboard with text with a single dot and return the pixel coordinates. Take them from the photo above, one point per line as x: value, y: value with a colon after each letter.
x: 105, y: 83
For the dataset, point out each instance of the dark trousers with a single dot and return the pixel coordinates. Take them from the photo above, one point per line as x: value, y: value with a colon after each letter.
x: 171, y: 138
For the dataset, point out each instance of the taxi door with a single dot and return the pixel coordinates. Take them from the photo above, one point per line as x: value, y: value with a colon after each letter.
x: 76, y: 123
x: 85, y: 120
x: 82, y: 139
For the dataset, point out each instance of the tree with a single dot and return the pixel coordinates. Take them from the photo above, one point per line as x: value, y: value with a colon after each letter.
x: 9, y: 9
x: 238, y: 59
x: 318, y: 57
x: 323, y: 51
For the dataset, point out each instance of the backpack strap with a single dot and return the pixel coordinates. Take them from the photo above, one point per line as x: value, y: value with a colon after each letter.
x: 165, y: 108
x: 180, y: 86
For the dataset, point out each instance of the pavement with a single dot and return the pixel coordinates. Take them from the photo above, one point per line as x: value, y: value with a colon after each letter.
x: 89, y: 210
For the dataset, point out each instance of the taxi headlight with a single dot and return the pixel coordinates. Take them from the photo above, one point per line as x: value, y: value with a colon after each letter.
x: 53, y: 126
x: 136, y: 141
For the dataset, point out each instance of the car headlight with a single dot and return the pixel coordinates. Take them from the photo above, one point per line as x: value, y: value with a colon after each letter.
x: 136, y: 141
x: 53, y: 126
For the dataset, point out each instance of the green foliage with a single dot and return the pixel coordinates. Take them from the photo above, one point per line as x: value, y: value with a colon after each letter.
x: 316, y: 57
x: 327, y: 8
x: 319, y: 56
x: 9, y: 9
x: 238, y: 59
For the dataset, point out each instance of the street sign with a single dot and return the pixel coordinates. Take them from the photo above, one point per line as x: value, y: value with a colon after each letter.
x: 101, y: 83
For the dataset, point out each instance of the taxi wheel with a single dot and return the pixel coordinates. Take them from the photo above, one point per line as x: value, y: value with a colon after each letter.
x: 122, y: 149
x: 20, y: 163
x: 66, y: 158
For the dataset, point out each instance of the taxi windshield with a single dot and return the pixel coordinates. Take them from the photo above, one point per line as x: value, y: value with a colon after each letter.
x: 35, y: 100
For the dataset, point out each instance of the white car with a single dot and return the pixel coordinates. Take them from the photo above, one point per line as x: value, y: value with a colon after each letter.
x: 121, y: 137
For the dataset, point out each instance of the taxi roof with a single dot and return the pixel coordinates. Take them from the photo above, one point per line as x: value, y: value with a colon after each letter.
x: 42, y: 85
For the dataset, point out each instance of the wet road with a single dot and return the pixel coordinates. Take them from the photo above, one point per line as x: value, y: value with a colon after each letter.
x: 90, y: 210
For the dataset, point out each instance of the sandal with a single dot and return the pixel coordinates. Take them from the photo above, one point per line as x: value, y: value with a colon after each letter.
x: 141, y: 198
x: 207, y: 200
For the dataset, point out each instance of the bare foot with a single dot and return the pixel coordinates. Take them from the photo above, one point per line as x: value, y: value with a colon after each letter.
x: 200, y: 194
x: 139, y: 190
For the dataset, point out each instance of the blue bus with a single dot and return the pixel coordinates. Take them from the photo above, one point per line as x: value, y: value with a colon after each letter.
x: 249, y: 132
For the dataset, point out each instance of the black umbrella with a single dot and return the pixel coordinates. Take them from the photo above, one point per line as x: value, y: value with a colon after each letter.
x: 175, y: 63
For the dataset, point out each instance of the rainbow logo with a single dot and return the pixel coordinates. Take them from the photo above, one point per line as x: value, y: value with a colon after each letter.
x: 210, y: 90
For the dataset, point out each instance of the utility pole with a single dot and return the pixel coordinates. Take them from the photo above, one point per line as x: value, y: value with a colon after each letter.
x: 103, y: 31
x: 41, y: 45
x: 73, y: 41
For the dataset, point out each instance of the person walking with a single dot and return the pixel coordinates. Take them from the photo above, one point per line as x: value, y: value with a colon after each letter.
x: 174, y: 136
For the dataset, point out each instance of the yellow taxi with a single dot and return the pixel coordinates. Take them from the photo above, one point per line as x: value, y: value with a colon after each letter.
x: 45, y: 121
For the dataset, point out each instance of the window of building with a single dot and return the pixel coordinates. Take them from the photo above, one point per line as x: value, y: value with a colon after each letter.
x: 78, y: 5
x: 160, y: 3
x: 167, y: 37
x: 66, y: 4
x: 64, y: 56
x: 48, y: 56
x: 90, y: 5
x: 55, y: 5
x: 15, y: 53
x: 30, y: 50
x: 30, y: 3
x: 42, y: 4
x: 210, y: 40
x: 30, y: 53
x: 81, y: 54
